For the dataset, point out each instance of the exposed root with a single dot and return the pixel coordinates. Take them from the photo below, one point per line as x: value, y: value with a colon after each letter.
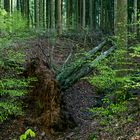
x: 45, y: 93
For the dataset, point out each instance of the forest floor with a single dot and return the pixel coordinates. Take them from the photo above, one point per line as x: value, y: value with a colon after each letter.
x: 76, y: 101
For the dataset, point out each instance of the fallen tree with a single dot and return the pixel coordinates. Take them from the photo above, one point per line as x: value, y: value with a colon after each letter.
x: 81, y: 67
x: 46, y: 91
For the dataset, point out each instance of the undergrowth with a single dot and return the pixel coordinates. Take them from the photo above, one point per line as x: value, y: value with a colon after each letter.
x: 12, y: 85
x: 116, y: 79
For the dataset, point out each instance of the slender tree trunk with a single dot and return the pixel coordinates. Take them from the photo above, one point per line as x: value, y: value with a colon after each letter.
x: 18, y: 5
x: 44, y: 14
x: 36, y: 6
x: 69, y: 14
x: 52, y: 16
x: 59, y: 23
x: 102, y: 17
x: 79, y: 15
x: 91, y: 14
x: 135, y: 17
x: 12, y: 6
x: 121, y: 21
x: 7, y: 5
x: 41, y: 13
x: 84, y: 14
x: 94, y: 15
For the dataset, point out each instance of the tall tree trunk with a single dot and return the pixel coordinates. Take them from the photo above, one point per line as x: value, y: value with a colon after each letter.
x: 12, y: 6
x: 135, y: 17
x: 79, y: 15
x: 84, y: 14
x: 59, y: 23
x: 69, y: 14
x: 121, y: 22
x: 44, y: 13
x: 36, y: 6
x: 52, y: 16
x: 102, y: 16
x: 7, y: 5
x: 18, y: 5
x: 91, y: 14
x: 27, y: 10
x: 41, y: 13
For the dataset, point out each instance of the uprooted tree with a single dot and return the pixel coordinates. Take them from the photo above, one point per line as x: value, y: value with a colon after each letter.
x: 46, y: 92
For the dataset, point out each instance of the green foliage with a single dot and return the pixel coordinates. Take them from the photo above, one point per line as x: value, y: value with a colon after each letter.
x: 116, y: 79
x: 105, y: 75
x: 92, y: 137
x: 27, y: 133
x: 108, y: 109
x: 112, y: 116
x: 136, y: 51
x: 114, y: 75
x: 12, y: 23
x: 12, y: 84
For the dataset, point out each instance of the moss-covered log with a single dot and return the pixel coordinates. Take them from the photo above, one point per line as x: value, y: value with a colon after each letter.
x: 81, y: 67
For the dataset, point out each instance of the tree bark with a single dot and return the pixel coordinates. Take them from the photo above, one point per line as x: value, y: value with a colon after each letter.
x: 7, y: 5
x: 36, y: 5
x: 91, y: 14
x: 84, y: 13
x: 135, y: 17
x: 52, y: 16
x: 120, y: 19
x: 59, y: 21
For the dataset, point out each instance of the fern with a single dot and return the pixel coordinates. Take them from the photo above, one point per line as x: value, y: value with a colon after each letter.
x: 12, y: 85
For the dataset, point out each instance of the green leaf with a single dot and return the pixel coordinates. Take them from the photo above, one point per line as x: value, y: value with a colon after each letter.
x: 23, y: 137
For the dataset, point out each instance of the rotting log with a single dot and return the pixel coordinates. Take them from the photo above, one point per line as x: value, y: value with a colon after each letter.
x: 81, y: 67
x: 67, y: 71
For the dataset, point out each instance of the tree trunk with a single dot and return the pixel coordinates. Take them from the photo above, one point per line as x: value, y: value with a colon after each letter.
x: 41, y: 14
x: 135, y: 17
x: 36, y: 5
x: 52, y: 16
x: 68, y: 75
x: 18, y: 5
x: 120, y: 7
x: 44, y: 14
x: 7, y: 5
x: 83, y: 71
x: 59, y: 22
x: 91, y: 14
x: 84, y: 13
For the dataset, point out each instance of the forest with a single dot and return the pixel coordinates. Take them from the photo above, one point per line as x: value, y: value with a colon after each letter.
x: 69, y: 69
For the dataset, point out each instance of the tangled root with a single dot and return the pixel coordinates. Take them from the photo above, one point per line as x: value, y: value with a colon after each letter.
x: 45, y: 93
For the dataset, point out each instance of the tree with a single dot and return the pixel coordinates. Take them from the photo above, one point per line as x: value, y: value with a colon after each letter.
x: 7, y: 5
x: 41, y: 13
x: 135, y: 16
x: 84, y: 13
x: 91, y: 14
x: 18, y: 5
x: 36, y: 7
x: 120, y: 19
x: 59, y: 21
x: 52, y: 14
